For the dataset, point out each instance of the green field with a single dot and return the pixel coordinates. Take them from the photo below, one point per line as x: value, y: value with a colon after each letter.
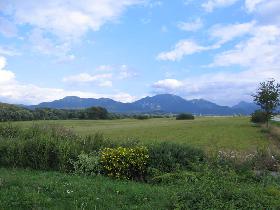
x: 209, y: 133
x: 214, y: 183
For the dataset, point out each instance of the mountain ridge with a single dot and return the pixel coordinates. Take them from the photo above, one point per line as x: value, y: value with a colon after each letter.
x: 164, y: 103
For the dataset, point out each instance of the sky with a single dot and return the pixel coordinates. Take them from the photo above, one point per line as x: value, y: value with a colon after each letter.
x: 218, y: 50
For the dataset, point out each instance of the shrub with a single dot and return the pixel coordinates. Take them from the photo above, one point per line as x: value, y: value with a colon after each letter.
x: 232, y: 160
x: 87, y: 164
x: 266, y: 159
x: 258, y: 117
x: 261, y: 160
x: 142, y: 117
x: 121, y: 162
x: 169, y: 157
x: 184, y: 116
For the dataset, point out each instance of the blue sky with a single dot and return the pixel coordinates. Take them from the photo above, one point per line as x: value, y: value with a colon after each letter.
x: 218, y: 50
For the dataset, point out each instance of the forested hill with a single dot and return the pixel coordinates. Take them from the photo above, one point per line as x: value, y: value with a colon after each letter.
x: 10, y: 112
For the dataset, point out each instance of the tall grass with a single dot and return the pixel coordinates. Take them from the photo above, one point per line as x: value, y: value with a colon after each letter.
x: 48, y: 147
x: 43, y: 147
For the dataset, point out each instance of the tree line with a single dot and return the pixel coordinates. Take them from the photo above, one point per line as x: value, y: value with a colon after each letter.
x: 14, y: 113
x: 10, y: 112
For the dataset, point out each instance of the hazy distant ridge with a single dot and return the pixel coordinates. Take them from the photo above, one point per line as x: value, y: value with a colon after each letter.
x: 166, y: 103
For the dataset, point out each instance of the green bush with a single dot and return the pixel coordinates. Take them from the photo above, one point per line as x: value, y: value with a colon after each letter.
x: 231, y: 159
x: 127, y: 163
x: 142, y: 117
x: 168, y: 157
x: 87, y: 164
x: 184, y: 116
x: 259, y: 117
x: 265, y: 159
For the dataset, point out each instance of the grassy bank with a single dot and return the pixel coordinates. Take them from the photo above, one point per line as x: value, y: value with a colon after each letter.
x: 26, y: 189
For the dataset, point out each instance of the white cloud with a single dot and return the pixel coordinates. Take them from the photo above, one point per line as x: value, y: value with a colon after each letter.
x: 168, y: 85
x: 267, y: 12
x: 220, y: 33
x: 223, y: 34
x: 125, y: 72
x: 104, y: 79
x: 119, y: 72
x: 45, y: 45
x: 2, y: 62
x: 123, y: 97
x: 66, y: 19
x: 153, y: 3
x: 226, y: 33
x: 56, y: 25
x: 262, y: 49
x: 8, y: 51
x: 252, y: 4
x: 210, y: 5
x: 106, y: 84
x: 191, y: 26
x: 258, y: 54
x: 105, y: 68
x: 14, y: 91
x: 31, y: 94
x: 85, y: 77
x: 225, y: 88
x: 5, y: 75
x: 7, y: 28
x: 182, y: 48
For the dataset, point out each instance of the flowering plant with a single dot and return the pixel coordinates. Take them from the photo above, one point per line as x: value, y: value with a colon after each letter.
x: 127, y: 163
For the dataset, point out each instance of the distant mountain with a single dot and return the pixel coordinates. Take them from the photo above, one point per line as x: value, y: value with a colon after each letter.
x: 246, y: 107
x: 163, y: 103
x: 74, y: 102
x: 176, y: 104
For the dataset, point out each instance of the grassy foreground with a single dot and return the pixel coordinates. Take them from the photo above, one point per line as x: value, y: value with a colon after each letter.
x: 25, y: 189
x: 210, y: 133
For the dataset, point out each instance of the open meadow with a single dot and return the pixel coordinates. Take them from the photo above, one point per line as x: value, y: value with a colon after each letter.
x: 209, y: 133
x: 44, y: 166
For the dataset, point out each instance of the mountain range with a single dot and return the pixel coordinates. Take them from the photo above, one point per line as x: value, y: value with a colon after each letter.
x: 163, y: 103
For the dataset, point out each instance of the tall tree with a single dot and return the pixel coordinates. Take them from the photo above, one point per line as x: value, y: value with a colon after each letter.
x: 267, y: 97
